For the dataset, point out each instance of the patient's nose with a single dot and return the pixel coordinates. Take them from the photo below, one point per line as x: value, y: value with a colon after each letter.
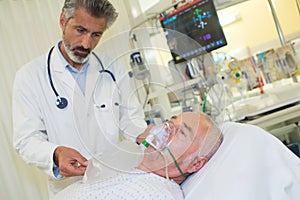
x: 171, y: 130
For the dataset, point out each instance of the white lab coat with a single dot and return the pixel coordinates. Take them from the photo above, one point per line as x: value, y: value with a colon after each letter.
x: 39, y: 126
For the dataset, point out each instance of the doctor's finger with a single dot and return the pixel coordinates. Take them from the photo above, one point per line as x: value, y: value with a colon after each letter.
x: 81, y: 161
x: 72, y: 170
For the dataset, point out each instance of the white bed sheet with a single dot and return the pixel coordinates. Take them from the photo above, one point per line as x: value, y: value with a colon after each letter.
x: 251, y: 164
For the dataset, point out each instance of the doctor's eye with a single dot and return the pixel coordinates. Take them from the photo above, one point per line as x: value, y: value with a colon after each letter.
x: 96, y: 35
x: 81, y: 30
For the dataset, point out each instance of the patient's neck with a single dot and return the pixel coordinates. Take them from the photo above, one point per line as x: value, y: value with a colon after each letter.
x: 178, y: 178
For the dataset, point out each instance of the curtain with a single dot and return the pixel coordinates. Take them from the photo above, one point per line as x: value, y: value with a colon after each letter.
x: 28, y: 28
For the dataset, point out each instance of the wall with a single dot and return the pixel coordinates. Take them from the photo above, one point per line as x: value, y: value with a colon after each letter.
x: 256, y: 28
x: 27, y: 29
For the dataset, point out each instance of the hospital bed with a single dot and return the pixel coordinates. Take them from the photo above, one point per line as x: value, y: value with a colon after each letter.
x: 251, y: 164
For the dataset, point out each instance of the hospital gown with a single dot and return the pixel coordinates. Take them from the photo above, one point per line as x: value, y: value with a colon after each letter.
x: 129, y: 186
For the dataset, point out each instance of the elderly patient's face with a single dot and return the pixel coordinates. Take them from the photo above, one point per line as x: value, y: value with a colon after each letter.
x: 186, y: 135
x: 184, y: 140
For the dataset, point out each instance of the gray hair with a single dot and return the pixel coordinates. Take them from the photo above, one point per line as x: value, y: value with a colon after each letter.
x: 96, y: 8
x: 210, y: 144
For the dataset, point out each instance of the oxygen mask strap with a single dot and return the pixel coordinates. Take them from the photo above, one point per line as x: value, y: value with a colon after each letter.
x: 176, y: 163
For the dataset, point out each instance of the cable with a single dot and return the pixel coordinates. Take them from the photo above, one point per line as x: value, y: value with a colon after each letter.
x: 147, y: 88
x: 184, y: 86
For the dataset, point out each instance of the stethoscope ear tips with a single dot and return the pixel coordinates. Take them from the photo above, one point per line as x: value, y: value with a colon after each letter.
x: 61, y: 102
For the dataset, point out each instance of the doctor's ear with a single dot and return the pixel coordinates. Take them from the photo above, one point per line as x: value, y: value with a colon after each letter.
x: 197, y: 164
x: 62, y: 21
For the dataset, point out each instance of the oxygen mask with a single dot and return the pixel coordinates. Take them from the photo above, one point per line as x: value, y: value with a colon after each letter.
x: 159, y: 136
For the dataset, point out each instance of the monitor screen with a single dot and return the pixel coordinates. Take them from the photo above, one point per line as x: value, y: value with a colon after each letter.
x: 192, y: 30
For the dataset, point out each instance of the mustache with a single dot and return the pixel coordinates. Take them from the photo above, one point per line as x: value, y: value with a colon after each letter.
x: 81, y: 48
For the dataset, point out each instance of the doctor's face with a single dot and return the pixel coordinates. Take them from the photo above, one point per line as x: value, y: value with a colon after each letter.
x: 81, y: 34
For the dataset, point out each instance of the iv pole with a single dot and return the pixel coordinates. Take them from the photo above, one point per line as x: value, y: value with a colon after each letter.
x: 279, y: 31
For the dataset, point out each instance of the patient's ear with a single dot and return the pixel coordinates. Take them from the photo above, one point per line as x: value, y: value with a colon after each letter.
x: 197, y: 164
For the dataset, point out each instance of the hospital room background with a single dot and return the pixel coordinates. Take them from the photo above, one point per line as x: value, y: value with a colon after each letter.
x: 253, y: 77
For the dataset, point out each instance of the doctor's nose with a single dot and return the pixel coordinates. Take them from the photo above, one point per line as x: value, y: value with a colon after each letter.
x: 86, y: 41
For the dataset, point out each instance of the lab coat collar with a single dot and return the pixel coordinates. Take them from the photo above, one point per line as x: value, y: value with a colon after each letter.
x: 60, y: 64
x: 58, y: 68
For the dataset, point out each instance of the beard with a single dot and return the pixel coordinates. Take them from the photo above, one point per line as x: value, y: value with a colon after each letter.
x: 74, y: 55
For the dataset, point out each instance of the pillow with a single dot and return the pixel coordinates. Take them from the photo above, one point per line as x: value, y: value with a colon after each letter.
x: 250, y: 164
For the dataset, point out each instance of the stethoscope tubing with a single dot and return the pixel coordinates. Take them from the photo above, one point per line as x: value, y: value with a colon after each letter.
x: 62, y: 102
x: 49, y: 72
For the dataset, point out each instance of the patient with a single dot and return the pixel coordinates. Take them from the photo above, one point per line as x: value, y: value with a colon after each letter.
x: 192, y: 140
x: 251, y: 164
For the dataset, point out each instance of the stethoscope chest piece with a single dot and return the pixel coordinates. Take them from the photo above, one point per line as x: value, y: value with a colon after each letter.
x: 61, y: 102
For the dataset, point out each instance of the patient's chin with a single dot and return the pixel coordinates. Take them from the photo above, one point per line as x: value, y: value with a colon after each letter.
x: 156, y: 160
x: 152, y: 154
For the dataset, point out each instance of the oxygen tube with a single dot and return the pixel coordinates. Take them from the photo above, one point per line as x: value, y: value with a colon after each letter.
x: 158, y: 139
x: 146, y: 144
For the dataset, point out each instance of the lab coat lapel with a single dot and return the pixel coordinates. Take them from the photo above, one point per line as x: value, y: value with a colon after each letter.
x: 60, y: 69
x: 91, y: 80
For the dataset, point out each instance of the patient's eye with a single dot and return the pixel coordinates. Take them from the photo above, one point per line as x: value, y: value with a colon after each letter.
x: 181, y: 133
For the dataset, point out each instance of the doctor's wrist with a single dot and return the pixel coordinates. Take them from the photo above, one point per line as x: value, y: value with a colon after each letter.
x: 55, y: 155
x: 139, y: 139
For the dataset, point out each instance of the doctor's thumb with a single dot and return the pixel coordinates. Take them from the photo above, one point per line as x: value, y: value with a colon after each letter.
x: 83, y: 162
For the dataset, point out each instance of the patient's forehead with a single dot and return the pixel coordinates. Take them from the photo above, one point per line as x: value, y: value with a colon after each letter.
x: 188, y: 123
x: 189, y: 119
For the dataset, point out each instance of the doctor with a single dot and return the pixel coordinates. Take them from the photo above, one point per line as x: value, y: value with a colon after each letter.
x: 69, y: 104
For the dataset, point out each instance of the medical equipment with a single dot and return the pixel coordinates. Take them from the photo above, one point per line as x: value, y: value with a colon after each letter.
x: 96, y: 85
x: 159, y: 138
x: 286, y: 58
x: 140, y: 72
x: 138, y: 66
x: 199, y: 21
x: 62, y: 102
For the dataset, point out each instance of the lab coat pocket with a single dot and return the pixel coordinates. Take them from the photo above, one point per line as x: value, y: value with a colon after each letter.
x: 107, y: 116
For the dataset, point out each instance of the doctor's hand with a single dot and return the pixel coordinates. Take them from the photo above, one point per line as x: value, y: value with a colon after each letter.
x: 69, y: 161
x: 144, y: 135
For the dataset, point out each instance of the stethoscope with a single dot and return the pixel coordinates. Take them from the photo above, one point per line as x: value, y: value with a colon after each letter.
x: 62, y: 102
